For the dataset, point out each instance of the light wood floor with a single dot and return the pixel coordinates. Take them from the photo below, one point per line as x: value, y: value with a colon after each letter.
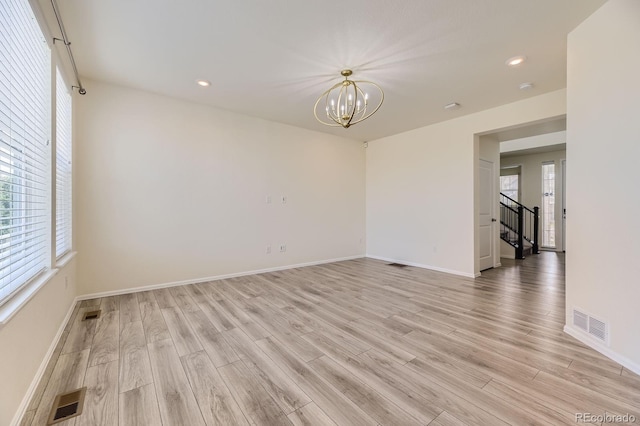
x: 349, y: 343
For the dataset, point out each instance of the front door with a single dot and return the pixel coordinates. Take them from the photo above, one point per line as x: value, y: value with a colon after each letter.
x: 486, y: 234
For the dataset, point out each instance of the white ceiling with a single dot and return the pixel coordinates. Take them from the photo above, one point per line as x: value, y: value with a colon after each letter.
x: 271, y: 59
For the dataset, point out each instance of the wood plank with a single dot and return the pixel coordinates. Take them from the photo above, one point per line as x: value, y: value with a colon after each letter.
x: 183, y: 299
x: 281, y: 388
x: 216, y: 315
x: 101, y: 398
x: 214, y: 398
x: 146, y: 297
x: 155, y: 328
x: 164, y: 298
x: 139, y: 407
x: 90, y: 303
x: 310, y: 415
x: 183, y: 337
x: 378, y: 338
x: 68, y: 375
x: 345, y: 340
x: 81, y: 333
x: 109, y: 304
x: 176, y: 401
x: 129, y: 309
x: 212, y: 341
x: 529, y: 402
x: 241, y: 319
x: 37, y: 396
x: 255, y: 402
x: 135, y: 368
x: 329, y: 399
x: 365, y: 397
x: 439, y: 392
x: 105, y: 345
x: 446, y: 419
x: 386, y: 383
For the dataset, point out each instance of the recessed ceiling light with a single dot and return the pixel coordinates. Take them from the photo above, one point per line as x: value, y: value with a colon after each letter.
x: 515, y: 61
x: 452, y: 105
x: 203, y: 83
x: 526, y: 86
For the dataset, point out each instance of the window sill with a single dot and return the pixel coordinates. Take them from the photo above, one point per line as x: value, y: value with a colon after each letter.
x: 15, y: 303
x: 65, y: 258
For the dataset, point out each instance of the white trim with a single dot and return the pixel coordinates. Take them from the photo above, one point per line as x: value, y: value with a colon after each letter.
x: 26, y: 293
x: 420, y: 265
x: 65, y: 258
x: 214, y: 278
x: 603, y: 349
x: 22, y: 408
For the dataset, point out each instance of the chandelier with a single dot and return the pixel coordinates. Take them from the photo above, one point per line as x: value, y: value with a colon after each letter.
x: 347, y: 103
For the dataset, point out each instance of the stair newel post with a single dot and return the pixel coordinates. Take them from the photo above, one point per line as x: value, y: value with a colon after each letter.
x: 535, y: 247
x: 519, y: 249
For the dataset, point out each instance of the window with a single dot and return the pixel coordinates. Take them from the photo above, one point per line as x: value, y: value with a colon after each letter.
x: 509, y: 186
x: 548, y: 205
x: 63, y: 167
x: 25, y: 74
x: 510, y: 181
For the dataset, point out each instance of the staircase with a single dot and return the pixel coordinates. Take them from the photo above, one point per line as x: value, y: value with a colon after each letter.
x: 519, y: 226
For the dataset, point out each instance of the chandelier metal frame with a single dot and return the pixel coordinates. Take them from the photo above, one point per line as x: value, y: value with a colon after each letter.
x: 345, y: 103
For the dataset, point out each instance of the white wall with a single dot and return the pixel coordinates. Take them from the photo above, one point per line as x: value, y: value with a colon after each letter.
x: 603, y: 148
x: 531, y: 185
x: 421, y: 186
x: 537, y: 141
x: 169, y: 190
x: 26, y: 338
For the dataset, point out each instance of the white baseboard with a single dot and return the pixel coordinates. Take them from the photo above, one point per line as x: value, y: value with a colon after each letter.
x: 604, y: 350
x: 214, y: 278
x: 420, y: 265
x: 22, y: 408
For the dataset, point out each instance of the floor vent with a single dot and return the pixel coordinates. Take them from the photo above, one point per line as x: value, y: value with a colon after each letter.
x: 91, y: 315
x: 591, y: 325
x: 397, y: 265
x: 66, y: 406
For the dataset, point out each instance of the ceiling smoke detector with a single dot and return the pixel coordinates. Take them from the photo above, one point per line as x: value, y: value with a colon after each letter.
x: 452, y: 106
x: 526, y: 86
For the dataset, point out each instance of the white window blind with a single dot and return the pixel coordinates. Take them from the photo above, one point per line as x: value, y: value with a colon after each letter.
x: 25, y: 74
x: 63, y: 167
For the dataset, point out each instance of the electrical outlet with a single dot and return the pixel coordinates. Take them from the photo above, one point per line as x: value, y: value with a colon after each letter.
x: 268, y: 250
x: 268, y: 199
x: 66, y: 282
x: 284, y: 199
x: 283, y: 248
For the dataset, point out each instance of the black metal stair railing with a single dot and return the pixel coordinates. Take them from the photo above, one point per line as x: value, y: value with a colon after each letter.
x: 517, y: 224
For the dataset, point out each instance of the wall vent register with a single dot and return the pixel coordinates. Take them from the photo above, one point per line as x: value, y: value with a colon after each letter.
x: 593, y: 326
